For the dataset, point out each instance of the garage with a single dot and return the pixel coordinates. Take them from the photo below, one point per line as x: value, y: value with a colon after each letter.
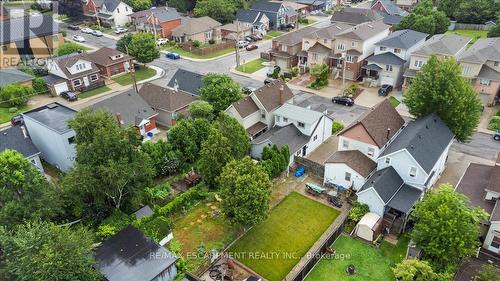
x: 60, y: 87
x: 386, y: 80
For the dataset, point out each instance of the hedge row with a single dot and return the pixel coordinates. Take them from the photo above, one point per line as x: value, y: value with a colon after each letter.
x: 184, y: 200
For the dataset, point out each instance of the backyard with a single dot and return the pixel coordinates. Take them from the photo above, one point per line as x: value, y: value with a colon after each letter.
x: 183, y: 53
x: 273, y: 247
x: 6, y: 115
x: 473, y: 34
x: 141, y: 73
x: 251, y: 66
x: 370, y: 263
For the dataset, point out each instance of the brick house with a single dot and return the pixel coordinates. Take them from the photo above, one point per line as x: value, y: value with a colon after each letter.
x: 159, y: 21
x: 111, y: 62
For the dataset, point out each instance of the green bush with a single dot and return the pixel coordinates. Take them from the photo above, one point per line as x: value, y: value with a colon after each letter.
x: 184, y: 201
x: 40, y: 86
x: 275, y: 160
x: 358, y: 211
x: 117, y: 220
x: 211, y: 41
x: 494, y: 123
x: 13, y: 109
x: 16, y: 94
x: 196, y: 43
x: 351, y: 90
x: 104, y: 231
x: 160, y: 191
x: 155, y: 228
x: 294, y: 71
x: 498, y: 113
x: 337, y: 127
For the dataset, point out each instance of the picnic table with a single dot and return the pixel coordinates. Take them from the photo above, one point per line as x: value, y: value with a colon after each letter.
x: 314, y: 188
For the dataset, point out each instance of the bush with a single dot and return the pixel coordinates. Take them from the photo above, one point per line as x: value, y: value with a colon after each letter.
x: 494, y: 123
x: 275, y: 160
x: 69, y: 48
x: 155, y: 228
x: 211, y: 41
x: 104, y: 231
x: 337, y: 127
x: 117, y: 220
x: 358, y: 211
x: 40, y: 86
x: 160, y: 191
x: 294, y: 71
x: 351, y: 91
x: 498, y: 113
x: 184, y: 201
x: 196, y: 43
x: 13, y: 109
x: 16, y: 94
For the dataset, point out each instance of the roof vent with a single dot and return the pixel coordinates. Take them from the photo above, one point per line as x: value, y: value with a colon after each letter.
x: 51, y: 105
x: 411, y: 146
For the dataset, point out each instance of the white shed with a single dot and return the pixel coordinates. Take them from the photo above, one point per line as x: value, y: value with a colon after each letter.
x: 369, y: 227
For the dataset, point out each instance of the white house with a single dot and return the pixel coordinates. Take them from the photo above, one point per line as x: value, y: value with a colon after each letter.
x: 349, y: 168
x: 115, y: 12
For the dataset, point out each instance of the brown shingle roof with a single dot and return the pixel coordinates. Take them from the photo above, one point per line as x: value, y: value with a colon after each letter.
x: 473, y: 184
x: 195, y: 26
x: 104, y: 56
x: 378, y: 120
x: 354, y: 159
x: 269, y: 95
x: 494, y: 184
x: 245, y: 106
x: 165, y: 98
x: 67, y: 61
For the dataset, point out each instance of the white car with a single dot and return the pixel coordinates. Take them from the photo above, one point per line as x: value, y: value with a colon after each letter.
x: 120, y: 30
x: 97, y: 33
x: 78, y: 38
x: 243, y: 44
x: 86, y: 30
x: 161, y: 41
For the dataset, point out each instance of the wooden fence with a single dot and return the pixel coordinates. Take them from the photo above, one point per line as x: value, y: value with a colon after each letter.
x: 458, y: 25
x: 188, y: 47
x: 310, y: 166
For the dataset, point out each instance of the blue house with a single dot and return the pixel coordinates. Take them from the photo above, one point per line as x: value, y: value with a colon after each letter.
x: 275, y: 11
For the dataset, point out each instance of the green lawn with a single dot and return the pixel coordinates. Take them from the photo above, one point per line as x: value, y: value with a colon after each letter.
x: 251, y: 66
x: 5, y: 115
x: 272, y: 34
x: 94, y: 92
x: 141, y: 73
x: 307, y: 21
x: 473, y: 34
x: 371, y: 263
x: 394, y: 101
x: 183, y: 53
x: 273, y: 247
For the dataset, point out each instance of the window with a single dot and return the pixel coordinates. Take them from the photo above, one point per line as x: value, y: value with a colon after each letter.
x: 354, y: 44
x: 94, y: 77
x: 345, y: 144
x: 347, y: 176
x: 285, y: 119
x: 496, y: 64
x: 418, y: 63
x: 397, y: 51
x: 495, y: 243
x: 118, y: 10
x: 4, y: 47
x: 33, y: 161
x: 325, y: 41
x: 71, y: 140
x: 314, y: 56
x: 340, y: 46
x: 306, y: 45
x: 208, y: 35
x: 77, y: 82
x: 315, y: 137
x: 484, y: 82
x: 301, y: 125
x: 413, y: 171
x: 55, y: 37
x: 80, y: 66
x: 371, y: 151
x: 382, y: 48
x: 283, y: 48
x: 466, y: 70
x: 278, y: 118
x: 388, y: 67
x: 387, y: 160
x: 126, y: 9
x: 263, y: 114
x: 349, y: 58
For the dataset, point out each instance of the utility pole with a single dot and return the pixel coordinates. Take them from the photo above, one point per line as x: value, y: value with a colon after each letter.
x: 154, y: 24
x: 344, y: 55
x: 132, y: 73
x: 237, y: 47
x: 96, y: 17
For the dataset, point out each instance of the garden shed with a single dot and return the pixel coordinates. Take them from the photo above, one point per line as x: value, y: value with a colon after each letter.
x: 369, y: 227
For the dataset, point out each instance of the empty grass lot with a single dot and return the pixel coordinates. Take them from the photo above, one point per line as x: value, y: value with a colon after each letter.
x: 371, y: 263
x: 273, y: 247
x: 251, y: 66
x: 141, y: 73
x: 272, y: 34
x: 183, y: 53
x: 94, y: 92
x: 5, y: 115
x: 473, y: 34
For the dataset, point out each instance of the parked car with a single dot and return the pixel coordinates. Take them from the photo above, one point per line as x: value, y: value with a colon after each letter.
x: 69, y: 96
x: 173, y: 56
x: 120, y: 30
x: 247, y: 90
x: 254, y: 37
x: 242, y: 44
x: 87, y: 30
x: 17, y: 120
x: 161, y: 41
x: 268, y: 81
x: 290, y: 25
x: 73, y: 27
x: 496, y: 136
x: 251, y: 47
x: 347, y: 101
x: 249, y: 38
x: 270, y: 72
x: 384, y: 90
x: 97, y: 33
x: 78, y: 38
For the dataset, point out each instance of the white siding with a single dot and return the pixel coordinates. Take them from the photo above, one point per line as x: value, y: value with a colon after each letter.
x: 322, y: 132
x: 121, y: 14
x: 401, y: 161
x: 494, y: 228
x: 360, y: 146
x: 35, y: 160
x: 369, y: 44
x: 335, y: 172
x: 370, y: 198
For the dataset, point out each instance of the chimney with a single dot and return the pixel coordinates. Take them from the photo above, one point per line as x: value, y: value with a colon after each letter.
x: 282, y: 90
x: 119, y: 119
x: 176, y: 85
x: 25, y: 133
x: 388, y: 133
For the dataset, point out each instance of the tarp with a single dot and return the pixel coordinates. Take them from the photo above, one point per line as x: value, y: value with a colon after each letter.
x: 315, y: 187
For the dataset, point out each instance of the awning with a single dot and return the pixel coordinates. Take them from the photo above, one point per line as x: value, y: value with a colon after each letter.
x: 372, y: 67
x: 104, y: 16
x: 256, y: 128
x: 406, y: 197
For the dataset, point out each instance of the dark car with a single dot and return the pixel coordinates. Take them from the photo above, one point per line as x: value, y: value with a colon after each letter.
x: 251, y: 47
x: 17, y: 120
x: 384, y: 90
x: 268, y: 81
x: 343, y: 100
x: 290, y: 25
x: 173, y: 56
x: 73, y: 27
x: 70, y: 96
x: 254, y: 37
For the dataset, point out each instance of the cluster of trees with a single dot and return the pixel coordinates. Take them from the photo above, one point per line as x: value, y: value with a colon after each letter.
x: 469, y: 11
x: 69, y: 48
x: 140, y: 5
x: 275, y: 160
x: 424, y: 18
x: 495, y: 30
x: 142, y: 46
x: 220, y: 91
x: 16, y: 94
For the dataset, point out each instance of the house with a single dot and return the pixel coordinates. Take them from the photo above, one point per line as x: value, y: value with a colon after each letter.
x: 275, y: 12
x: 481, y: 65
x: 302, y: 129
x: 131, y: 110
x: 12, y: 75
x: 111, y: 62
x: 17, y: 138
x: 186, y: 81
x: 255, y: 19
x: 313, y: 5
x: 50, y: 133
x: 131, y: 256
x: 77, y: 71
x: 302, y: 10
x: 112, y: 12
x: 406, y: 5
x: 353, y: 46
x: 158, y: 21
x: 392, y: 56
x: 355, y: 16
x: 388, y: 7
x: 236, y: 30
x: 204, y: 29
x: 348, y: 168
x: 481, y: 184
x: 440, y: 45
x: 255, y: 112
x: 286, y: 48
x: 169, y: 103
x: 26, y: 38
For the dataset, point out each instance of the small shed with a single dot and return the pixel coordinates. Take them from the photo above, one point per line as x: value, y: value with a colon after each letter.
x: 144, y: 212
x: 369, y: 227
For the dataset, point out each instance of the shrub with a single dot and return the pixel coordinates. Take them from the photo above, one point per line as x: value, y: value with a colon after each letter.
x: 494, y: 123
x: 498, y: 113
x: 40, y: 86
x: 160, y: 191
x: 13, y: 109
x: 275, y: 160
x: 154, y: 227
x: 196, y: 43
x: 117, y: 220
x: 105, y: 231
x: 294, y: 71
x: 69, y: 48
x: 184, y: 201
x: 351, y: 90
x: 337, y: 127
x: 211, y: 41
x: 16, y: 94
x: 358, y: 211
x: 276, y: 73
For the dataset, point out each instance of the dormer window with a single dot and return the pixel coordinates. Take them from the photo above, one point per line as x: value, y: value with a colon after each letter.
x: 354, y: 44
x: 397, y: 51
x: 371, y: 151
x: 387, y: 160
x: 278, y: 118
x: 382, y: 48
x: 301, y: 125
x: 388, y: 67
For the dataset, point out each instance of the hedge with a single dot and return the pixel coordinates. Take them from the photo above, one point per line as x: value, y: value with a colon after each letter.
x: 184, y: 200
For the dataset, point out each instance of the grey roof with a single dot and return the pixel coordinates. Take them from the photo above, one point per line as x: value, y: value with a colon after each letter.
x: 132, y: 107
x: 298, y: 113
x: 295, y: 37
x: 187, y: 81
x: 195, y: 26
x: 280, y: 136
x: 410, y: 73
x: 392, y: 19
x: 127, y: 256
x: 53, y: 115
x: 355, y: 16
x: 364, y: 31
x: 161, y: 13
x: 14, y: 138
x: 391, y: 8
x: 12, y: 75
x: 371, y: 67
x: 250, y: 16
x: 144, y: 212
x: 266, y: 6
x: 405, y: 198
x: 425, y: 139
x: 19, y: 29
x: 443, y: 44
x: 111, y: 4
x: 330, y: 31
x: 483, y: 50
x: 403, y: 39
x: 51, y: 79
x: 489, y: 73
x: 386, y: 183
x: 386, y: 58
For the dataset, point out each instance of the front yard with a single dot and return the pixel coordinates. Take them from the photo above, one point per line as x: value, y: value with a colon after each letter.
x: 141, y: 73
x: 94, y: 92
x: 272, y: 34
x: 251, y: 66
x: 183, y: 53
x: 473, y: 34
x: 6, y: 115
x: 370, y: 263
x: 273, y: 247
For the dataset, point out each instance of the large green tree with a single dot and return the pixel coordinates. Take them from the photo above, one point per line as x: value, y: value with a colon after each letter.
x: 245, y: 189
x: 320, y: 73
x: 201, y: 109
x: 164, y: 158
x: 495, y: 30
x: 439, y: 87
x: 469, y: 11
x: 69, y: 48
x: 16, y: 94
x: 123, y: 43
x: 220, y: 10
x: 235, y: 133
x: 143, y: 47
x: 220, y: 91
x: 446, y: 227
x: 214, y: 155
x: 425, y: 18
x: 139, y: 5
x: 187, y: 136
x: 44, y: 251
x: 415, y: 270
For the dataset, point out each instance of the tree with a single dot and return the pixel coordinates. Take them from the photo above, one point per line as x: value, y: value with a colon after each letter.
x: 446, y: 227
x: 476, y: 11
x: 139, y: 5
x: 16, y: 94
x: 25, y: 193
x: 165, y: 160
x: 320, y: 73
x: 123, y: 43
x: 495, y: 30
x: 69, y: 48
x: 201, y: 109
x: 220, y: 10
x: 415, y: 270
x: 143, y: 47
x: 220, y: 91
x: 245, y: 189
x: 44, y: 251
x: 214, y: 155
x: 39, y: 86
x: 358, y: 211
x: 440, y: 88
x: 275, y: 160
x: 425, y: 18
x: 488, y: 273
x: 449, y: 7
x: 235, y: 133
x: 187, y: 136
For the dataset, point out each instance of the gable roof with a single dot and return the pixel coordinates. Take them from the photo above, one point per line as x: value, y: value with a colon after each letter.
x: 330, y: 31
x: 473, y: 184
x: 195, y: 26
x: 132, y: 108
x: 483, y: 50
x: 425, y: 139
x: 127, y: 257
x: 269, y: 95
x: 378, y: 120
x: 403, y: 39
x: 295, y: 37
x: 14, y: 138
x: 405, y: 198
x: 443, y: 44
x: 105, y: 56
x: 298, y: 113
x: 187, y: 81
x: 386, y: 58
x: 250, y: 16
x: 53, y: 115
x: 489, y: 73
x: 67, y: 61
x: 355, y: 160
x: 267, y: 6
x: 391, y: 8
x: 319, y: 48
x: 364, y: 31
x: 164, y: 98
x: 111, y: 4
x: 245, y: 106
x: 386, y: 183
x: 355, y: 16
x: 392, y: 19
x: 19, y: 29
x: 12, y: 75
x: 163, y: 14
x: 280, y: 136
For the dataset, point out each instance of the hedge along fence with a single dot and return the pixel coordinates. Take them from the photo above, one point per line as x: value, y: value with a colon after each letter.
x: 184, y: 200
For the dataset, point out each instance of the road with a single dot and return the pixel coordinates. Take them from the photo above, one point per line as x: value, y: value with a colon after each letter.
x: 481, y: 145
